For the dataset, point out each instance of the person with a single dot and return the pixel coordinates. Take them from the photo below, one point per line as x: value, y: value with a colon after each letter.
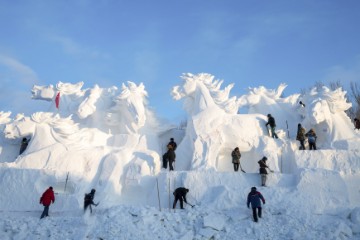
x: 254, y: 198
x: 46, y: 199
x: 302, y: 104
x: 24, y: 144
x: 271, y: 122
x: 300, y: 136
x: 357, y: 123
x: 89, y: 200
x: 311, y: 135
x: 236, y: 155
x: 180, y: 194
x: 173, y: 144
x: 262, y: 170
x: 169, y: 156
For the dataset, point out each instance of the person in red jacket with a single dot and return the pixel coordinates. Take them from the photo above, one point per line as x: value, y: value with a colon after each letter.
x: 46, y: 199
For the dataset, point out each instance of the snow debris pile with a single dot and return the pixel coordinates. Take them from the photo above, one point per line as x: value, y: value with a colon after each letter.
x: 109, y: 139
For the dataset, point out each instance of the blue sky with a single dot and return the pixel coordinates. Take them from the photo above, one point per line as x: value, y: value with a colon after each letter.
x: 108, y: 42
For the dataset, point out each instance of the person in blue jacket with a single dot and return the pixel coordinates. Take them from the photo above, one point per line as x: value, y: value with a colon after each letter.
x: 254, y: 198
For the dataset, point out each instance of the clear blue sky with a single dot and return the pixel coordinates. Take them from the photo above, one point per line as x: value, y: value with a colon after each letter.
x: 250, y: 43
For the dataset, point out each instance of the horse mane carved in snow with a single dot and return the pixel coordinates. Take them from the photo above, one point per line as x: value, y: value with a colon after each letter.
x: 202, y: 91
x: 129, y: 112
x: 46, y: 128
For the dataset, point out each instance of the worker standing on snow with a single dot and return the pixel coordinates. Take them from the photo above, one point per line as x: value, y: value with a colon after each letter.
x: 262, y: 170
x: 89, y: 200
x: 236, y: 155
x: 311, y: 135
x: 169, y: 156
x: 271, y: 122
x: 180, y: 194
x: 300, y: 136
x: 46, y: 199
x: 254, y: 198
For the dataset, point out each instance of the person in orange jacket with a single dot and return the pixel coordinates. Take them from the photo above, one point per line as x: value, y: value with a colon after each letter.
x: 46, y: 199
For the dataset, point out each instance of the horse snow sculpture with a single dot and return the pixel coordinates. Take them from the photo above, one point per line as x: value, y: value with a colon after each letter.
x: 214, y: 128
x: 88, y: 105
x: 129, y: 113
x: 103, y: 108
x: 325, y: 112
x: 46, y: 129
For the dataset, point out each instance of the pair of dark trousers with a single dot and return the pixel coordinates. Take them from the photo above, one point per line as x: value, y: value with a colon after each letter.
x: 302, y: 144
x: 165, y: 162
x: 236, y: 167
x: 273, y: 133
x: 256, y: 213
x: 87, y: 205
x: 181, y: 201
x: 45, y: 212
x: 171, y: 165
x: 312, y: 146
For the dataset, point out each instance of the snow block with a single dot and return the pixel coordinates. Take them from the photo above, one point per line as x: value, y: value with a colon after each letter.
x: 321, y: 190
x: 215, y: 221
x: 336, y: 160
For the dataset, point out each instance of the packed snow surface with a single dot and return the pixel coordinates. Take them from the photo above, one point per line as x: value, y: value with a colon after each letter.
x: 110, y: 140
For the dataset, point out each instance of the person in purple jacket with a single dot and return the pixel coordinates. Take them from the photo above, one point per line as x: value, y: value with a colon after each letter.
x: 254, y: 198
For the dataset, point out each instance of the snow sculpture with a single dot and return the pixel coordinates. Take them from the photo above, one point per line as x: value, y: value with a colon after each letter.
x: 264, y: 101
x: 103, y: 108
x: 46, y: 129
x: 325, y: 111
x: 83, y: 104
x: 107, y: 135
x: 46, y: 93
x: 128, y: 114
x: 214, y: 127
x: 4, y: 118
x: 9, y: 149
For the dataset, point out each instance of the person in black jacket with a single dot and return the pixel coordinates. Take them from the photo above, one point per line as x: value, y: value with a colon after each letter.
x: 173, y: 144
x: 180, y: 194
x: 300, y: 136
x: 24, y: 144
x: 271, y: 122
x: 262, y: 170
x: 254, y: 198
x: 89, y: 200
x: 169, y: 156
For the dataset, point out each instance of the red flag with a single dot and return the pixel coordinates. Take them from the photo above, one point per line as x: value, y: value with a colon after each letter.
x: 57, y: 100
